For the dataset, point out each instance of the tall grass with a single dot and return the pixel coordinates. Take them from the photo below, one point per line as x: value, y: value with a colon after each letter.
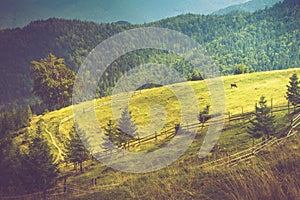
x: 274, y: 174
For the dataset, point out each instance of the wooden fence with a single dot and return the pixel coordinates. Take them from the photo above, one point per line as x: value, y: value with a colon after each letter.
x: 69, y: 190
x: 171, y: 132
x: 247, y: 154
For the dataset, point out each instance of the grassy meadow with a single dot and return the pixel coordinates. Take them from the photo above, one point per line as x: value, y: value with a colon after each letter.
x: 183, y: 179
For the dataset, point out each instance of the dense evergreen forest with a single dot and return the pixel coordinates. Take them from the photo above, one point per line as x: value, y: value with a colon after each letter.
x: 238, y: 43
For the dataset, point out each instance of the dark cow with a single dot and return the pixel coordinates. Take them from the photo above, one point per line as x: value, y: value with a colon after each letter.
x: 233, y: 85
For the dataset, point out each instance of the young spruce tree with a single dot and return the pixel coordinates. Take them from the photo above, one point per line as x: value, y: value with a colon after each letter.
x: 293, y: 90
x: 263, y: 124
x: 76, y: 151
x: 41, y: 173
x: 126, y: 130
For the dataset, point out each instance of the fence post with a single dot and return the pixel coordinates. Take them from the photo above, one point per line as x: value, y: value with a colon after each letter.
x: 94, y: 182
x: 65, y: 184
x: 228, y: 158
x: 177, y: 126
x: 139, y: 139
x: 271, y: 105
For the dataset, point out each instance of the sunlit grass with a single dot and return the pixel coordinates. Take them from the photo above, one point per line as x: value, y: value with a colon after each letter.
x: 159, y: 108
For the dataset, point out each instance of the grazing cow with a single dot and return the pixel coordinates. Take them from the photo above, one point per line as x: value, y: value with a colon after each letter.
x: 233, y: 85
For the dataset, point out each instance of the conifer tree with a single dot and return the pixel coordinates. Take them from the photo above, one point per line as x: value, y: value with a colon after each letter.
x: 204, y: 115
x: 126, y: 130
x: 110, y: 138
x: 76, y: 151
x: 196, y: 76
x: 11, y: 170
x: 39, y: 170
x: 293, y: 90
x: 263, y: 123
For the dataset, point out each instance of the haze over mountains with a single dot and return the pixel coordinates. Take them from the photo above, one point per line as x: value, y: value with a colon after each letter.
x: 18, y: 13
x: 249, y: 6
x: 260, y: 41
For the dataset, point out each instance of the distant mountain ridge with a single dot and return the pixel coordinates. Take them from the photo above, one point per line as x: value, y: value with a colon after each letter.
x: 249, y: 6
x: 262, y: 41
x: 19, y: 13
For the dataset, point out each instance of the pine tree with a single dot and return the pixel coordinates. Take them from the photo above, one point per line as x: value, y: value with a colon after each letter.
x: 76, y: 151
x: 196, y: 76
x: 11, y: 170
x: 204, y: 115
x: 5, y: 146
x: 40, y: 171
x: 110, y: 136
x: 263, y: 123
x: 293, y: 90
x: 126, y: 127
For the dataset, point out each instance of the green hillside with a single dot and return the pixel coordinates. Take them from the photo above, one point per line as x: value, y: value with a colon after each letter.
x: 55, y: 127
x: 272, y: 85
x: 146, y: 133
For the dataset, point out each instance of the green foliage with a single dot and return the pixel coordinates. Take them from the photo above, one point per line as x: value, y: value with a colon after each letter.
x: 126, y: 130
x: 76, y: 151
x: 11, y: 170
x: 125, y: 123
x: 240, y: 69
x: 39, y: 171
x: 263, y: 124
x: 196, y: 76
x: 204, y: 115
x: 110, y: 138
x: 14, y: 120
x: 293, y: 90
x: 262, y: 41
x: 122, y: 133
x: 52, y: 81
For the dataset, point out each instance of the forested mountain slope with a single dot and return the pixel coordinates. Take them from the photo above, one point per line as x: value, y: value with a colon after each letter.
x: 18, y: 13
x: 249, y: 6
x: 264, y: 40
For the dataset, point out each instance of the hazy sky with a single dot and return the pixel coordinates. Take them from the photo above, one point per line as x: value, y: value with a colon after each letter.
x: 20, y: 12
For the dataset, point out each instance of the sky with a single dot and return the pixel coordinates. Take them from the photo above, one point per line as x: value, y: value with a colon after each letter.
x: 18, y: 13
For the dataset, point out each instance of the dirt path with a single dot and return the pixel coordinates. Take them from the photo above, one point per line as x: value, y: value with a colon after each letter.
x: 60, y: 152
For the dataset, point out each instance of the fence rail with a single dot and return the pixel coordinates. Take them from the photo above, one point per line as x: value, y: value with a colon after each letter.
x: 171, y: 132
x: 68, y: 190
x: 252, y: 151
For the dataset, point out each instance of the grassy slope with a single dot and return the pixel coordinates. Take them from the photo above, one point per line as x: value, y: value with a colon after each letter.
x: 250, y: 88
x: 274, y: 174
x: 233, y: 138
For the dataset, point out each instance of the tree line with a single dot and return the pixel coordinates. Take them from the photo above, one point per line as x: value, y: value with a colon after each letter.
x: 237, y: 42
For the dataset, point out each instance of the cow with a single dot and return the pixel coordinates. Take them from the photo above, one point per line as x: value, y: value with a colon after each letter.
x: 233, y: 85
